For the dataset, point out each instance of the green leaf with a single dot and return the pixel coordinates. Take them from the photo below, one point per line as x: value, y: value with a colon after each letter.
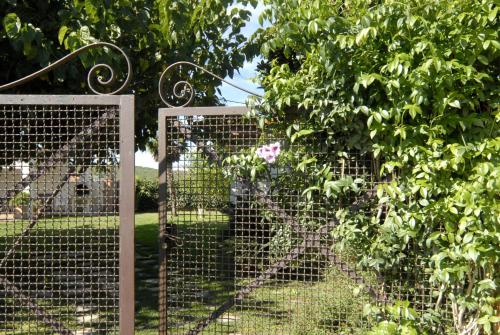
x: 380, y: 192
x: 313, y: 27
x: 432, y: 237
x: 92, y: 10
x: 487, y: 285
x: 483, y: 320
x: 483, y: 59
x: 494, y: 319
x: 493, y: 14
x: 454, y: 103
x: 423, y: 202
x: 301, y: 133
x: 62, y: 34
x: 495, y: 44
x: 468, y: 238
x: 413, y: 110
x: 12, y: 25
x: 408, y: 330
x: 362, y: 36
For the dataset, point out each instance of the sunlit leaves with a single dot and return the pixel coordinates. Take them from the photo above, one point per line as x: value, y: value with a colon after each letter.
x: 363, y: 35
x: 415, y: 83
x: 62, y: 34
x: 12, y: 25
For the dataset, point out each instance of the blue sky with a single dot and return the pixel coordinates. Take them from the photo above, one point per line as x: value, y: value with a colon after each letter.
x: 234, y: 96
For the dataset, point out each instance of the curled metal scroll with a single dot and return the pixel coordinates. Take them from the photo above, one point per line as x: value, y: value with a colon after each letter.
x: 184, y: 90
x: 92, y: 75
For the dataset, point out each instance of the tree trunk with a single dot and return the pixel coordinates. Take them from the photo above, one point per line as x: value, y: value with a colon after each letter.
x: 200, y: 211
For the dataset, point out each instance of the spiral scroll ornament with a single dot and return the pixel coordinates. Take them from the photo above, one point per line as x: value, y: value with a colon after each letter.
x: 93, y: 75
x: 183, y: 90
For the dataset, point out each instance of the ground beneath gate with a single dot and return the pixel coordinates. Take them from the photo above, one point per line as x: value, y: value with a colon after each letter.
x: 278, y: 308
x: 319, y: 308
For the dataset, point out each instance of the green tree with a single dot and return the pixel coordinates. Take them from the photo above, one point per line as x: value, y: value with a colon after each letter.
x: 210, y: 188
x: 154, y: 33
x: 146, y: 195
x: 414, y: 84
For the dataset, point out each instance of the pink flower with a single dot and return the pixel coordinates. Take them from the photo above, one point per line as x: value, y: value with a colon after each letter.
x: 270, y: 152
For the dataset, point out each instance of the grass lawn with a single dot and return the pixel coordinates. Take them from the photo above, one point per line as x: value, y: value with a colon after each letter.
x: 201, y: 282
x: 282, y: 306
x: 147, y: 260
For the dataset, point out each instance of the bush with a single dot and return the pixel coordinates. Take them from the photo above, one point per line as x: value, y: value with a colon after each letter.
x: 146, y: 192
x: 414, y: 85
x: 22, y: 199
x: 200, y: 186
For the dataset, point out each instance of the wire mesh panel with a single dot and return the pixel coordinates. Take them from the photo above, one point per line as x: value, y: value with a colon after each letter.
x: 291, y: 279
x: 197, y: 271
x: 60, y: 223
x: 242, y: 257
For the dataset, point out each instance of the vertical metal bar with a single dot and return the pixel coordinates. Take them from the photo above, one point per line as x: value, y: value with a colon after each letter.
x: 127, y: 222
x: 162, y: 219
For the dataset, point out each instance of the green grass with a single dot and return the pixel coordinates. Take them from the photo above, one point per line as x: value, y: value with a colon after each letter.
x: 146, y: 173
x: 147, y: 260
x: 287, y: 306
x: 147, y: 230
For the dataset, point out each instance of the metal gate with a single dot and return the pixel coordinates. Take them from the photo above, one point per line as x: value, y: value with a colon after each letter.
x: 67, y: 210
x: 253, y: 257
x: 247, y: 258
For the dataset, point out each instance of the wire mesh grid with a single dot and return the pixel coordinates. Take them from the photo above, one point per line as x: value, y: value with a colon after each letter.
x: 59, y: 237
x: 200, y: 261
x: 248, y: 257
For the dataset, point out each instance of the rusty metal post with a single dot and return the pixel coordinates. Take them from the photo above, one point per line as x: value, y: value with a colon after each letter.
x: 127, y: 209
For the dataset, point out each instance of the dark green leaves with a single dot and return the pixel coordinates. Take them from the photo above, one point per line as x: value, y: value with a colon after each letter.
x: 154, y: 34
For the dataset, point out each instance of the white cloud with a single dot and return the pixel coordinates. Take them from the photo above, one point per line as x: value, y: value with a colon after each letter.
x: 145, y: 159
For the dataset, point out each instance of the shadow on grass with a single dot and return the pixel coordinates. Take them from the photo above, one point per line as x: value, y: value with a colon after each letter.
x: 72, y: 273
x: 68, y: 269
x: 146, y: 278
x: 205, y: 270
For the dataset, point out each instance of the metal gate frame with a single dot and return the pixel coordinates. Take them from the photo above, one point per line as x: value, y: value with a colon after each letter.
x: 311, y: 240
x: 163, y: 113
x: 126, y: 166
x: 183, y: 95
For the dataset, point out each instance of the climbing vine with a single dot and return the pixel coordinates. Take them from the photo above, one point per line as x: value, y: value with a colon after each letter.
x: 414, y: 85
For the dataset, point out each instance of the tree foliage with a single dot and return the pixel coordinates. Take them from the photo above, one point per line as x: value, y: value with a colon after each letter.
x: 146, y: 195
x: 208, y: 187
x: 154, y: 33
x: 201, y: 185
x: 415, y: 85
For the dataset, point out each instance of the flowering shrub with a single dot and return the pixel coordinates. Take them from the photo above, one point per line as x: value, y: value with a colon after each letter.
x: 414, y: 84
